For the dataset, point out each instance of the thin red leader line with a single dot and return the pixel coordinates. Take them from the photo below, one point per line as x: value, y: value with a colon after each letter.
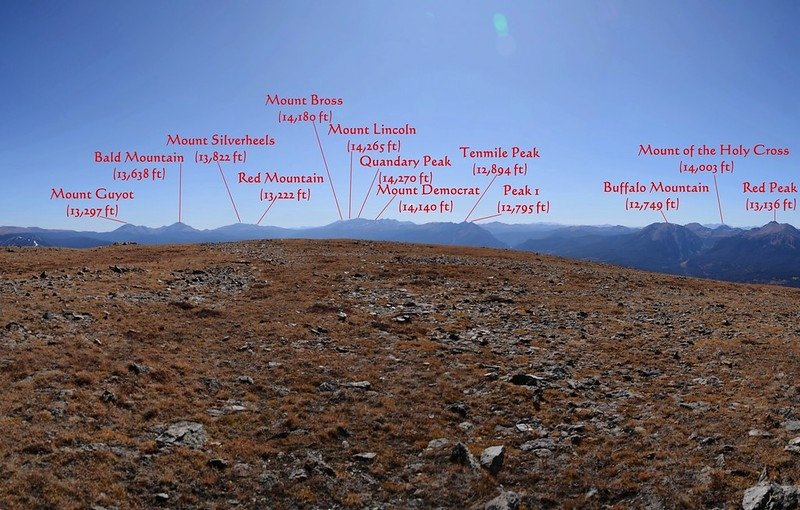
x: 481, y: 197
x: 180, y: 191
x: 350, y: 198
x: 319, y: 142
x: 487, y: 217
x: 386, y: 206
x: 368, y: 192
x: 229, y: 193
x: 719, y: 203
x: 265, y: 212
x: 113, y: 219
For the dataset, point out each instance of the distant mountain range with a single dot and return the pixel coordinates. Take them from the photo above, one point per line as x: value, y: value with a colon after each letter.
x: 768, y: 254
x: 460, y: 234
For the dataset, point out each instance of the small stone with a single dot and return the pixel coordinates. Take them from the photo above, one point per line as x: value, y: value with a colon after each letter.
x: 138, y: 368
x: 759, y: 433
x: 298, y: 474
x: 314, y: 462
x: 365, y: 457
x: 162, y: 496
x: 435, y: 444
x: 268, y: 480
x: 246, y: 379
x: 461, y: 455
x: 526, y: 380
x: 364, y: 385
x: 465, y: 425
x: 460, y: 408
x: 212, y: 384
x: 109, y: 396
x: 538, y: 444
x: 492, y: 458
x: 328, y: 386
x: 793, y: 446
x: 217, y: 464
x: 792, y: 425
x: 183, y: 433
x: 241, y: 470
x: 14, y: 326
x: 342, y: 316
x: 505, y: 501
x: 771, y: 496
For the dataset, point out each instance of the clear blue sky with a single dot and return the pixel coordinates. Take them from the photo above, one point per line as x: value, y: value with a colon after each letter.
x: 584, y: 81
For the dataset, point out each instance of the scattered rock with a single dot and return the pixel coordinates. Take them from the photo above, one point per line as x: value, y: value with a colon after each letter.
x: 245, y: 379
x: 364, y: 385
x: 771, y: 496
x: 696, y: 406
x: 189, y: 434
x: 461, y: 455
x: 460, y: 408
x: 212, y: 384
x: 524, y: 427
x: 492, y: 458
x: 72, y: 316
x: 269, y: 480
x: 649, y: 372
x: 315, y: 463
x: 218, y: 464
x: 14, y: 326
x: 298, y: 474
x: 505, y: 501
x: 793, y: 446
x: 138, y: 368
x: 791, y: 425
x: 365, y: 457
x: 230, y: 407
x: 435, y: 444
x: 526, y: 380
x: 759, y: 433
x: 328, y: 386
x: 241, y: 470
x: 538, y: 444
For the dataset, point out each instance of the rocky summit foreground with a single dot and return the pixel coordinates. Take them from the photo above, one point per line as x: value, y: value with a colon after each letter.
x: 344, y: 374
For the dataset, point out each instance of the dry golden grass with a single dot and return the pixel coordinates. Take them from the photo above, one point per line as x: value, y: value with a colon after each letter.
x: 427, y: 326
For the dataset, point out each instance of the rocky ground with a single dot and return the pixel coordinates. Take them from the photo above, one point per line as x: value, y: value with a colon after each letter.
x: 344, y: 374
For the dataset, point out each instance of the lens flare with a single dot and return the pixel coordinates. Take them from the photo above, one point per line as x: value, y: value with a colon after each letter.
x: 500, y: 24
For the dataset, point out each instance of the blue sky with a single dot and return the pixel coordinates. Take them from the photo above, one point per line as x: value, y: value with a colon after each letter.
x: 585, y: 82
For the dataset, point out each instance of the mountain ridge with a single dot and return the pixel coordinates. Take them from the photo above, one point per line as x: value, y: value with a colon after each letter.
x: 765, y: 254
